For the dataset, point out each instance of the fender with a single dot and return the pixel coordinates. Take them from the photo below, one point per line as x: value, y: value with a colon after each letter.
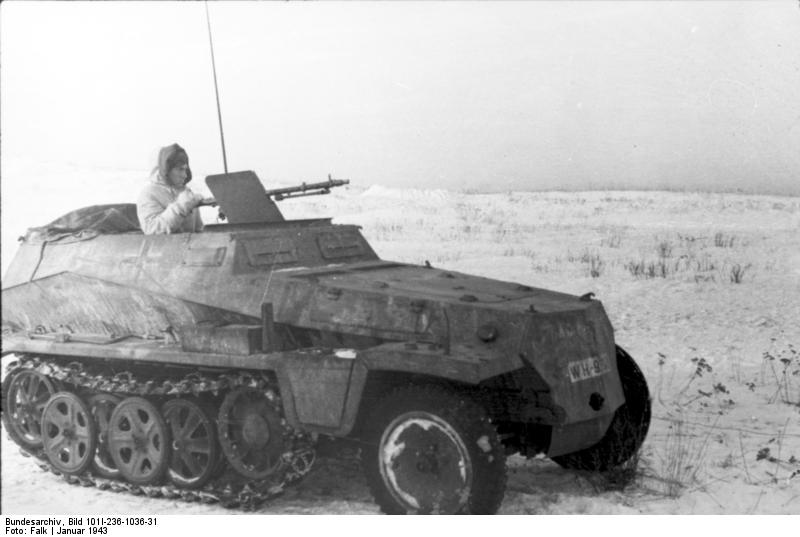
x: 338, y: 379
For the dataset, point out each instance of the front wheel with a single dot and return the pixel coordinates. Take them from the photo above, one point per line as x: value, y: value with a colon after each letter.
x: 628, y: 429
x: 432, y: 451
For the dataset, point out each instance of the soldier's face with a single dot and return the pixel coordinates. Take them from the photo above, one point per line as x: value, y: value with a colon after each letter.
x: 177, y: 176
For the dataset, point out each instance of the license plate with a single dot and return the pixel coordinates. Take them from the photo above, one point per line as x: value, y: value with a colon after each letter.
x: 594, y: 366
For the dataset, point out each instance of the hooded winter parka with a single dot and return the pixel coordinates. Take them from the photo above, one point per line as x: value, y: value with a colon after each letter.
x: 156, y: 207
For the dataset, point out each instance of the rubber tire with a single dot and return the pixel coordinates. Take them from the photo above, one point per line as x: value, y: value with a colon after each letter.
x: 628, y: 429
x: 467, y: 419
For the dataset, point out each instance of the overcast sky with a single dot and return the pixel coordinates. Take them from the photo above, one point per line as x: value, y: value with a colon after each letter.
x: 520, y: 95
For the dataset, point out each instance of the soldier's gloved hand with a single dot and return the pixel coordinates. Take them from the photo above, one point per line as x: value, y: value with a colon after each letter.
x: 187, y: 201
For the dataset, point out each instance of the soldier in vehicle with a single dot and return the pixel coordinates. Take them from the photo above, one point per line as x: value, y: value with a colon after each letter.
x: 166, y: 204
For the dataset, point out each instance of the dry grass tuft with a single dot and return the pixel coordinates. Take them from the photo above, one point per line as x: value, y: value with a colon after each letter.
x: 722, y: 240
x: 678, y: 464
x: 737, y: 272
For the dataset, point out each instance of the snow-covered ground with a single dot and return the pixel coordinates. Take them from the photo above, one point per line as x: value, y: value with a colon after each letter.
x: 702, y: 289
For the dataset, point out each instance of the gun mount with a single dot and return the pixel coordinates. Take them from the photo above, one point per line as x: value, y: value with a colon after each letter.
x: 243, y: 199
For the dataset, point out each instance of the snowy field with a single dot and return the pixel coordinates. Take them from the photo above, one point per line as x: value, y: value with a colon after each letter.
x: 703, y: 291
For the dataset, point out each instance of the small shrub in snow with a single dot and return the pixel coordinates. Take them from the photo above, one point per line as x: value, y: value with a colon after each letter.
x: 596, y: 266
x: 636, y: 268
x: 779, y: 460
x: 614, y: 241
x: 737, y: 272
x: 701, y: 365
x: 720, y: 388
x: 539, y: 267
x: 664, y: 249
x: 785, y: 368
x: 705, y: 265
x: 512, y: 251
x: 688, y: 239
x: 763, y: 453
x: 470, y: 229
x: 724, y: 241
x: 651, y: 269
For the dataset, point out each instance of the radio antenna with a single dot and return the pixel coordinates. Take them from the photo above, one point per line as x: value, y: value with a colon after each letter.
x: 216, y: 89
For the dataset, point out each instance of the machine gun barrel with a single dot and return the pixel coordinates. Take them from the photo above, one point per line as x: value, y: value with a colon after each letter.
x: 306, y: 189
x: 303, y: 189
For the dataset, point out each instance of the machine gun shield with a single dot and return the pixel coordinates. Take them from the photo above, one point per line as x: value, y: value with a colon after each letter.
x: 243, y: 199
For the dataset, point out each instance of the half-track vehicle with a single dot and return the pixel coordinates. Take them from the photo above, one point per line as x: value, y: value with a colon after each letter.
x: 209, y: 365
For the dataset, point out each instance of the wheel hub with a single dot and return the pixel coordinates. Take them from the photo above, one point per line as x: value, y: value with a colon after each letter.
x: 427, y: 460
x: 425, y: 464
x: 139, y: 442
x: 69, y: 432
x: 255, y: 431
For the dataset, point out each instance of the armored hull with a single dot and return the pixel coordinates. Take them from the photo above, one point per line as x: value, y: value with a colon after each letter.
x: 346, y: 342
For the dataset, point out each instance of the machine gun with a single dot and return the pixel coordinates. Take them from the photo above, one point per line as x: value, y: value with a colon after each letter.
x: 304, y: 189
x: 242, y: 198
x: 278, y: 194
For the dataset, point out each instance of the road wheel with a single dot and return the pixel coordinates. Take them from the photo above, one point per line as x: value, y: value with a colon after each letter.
x: 25, y: 396
x: 251, y: 433
x: 194, y: 450
x: 101, y: 406
x: 138, y: 440
x: 628, y: 429
x: 432, y: 451
x: 68, y: 433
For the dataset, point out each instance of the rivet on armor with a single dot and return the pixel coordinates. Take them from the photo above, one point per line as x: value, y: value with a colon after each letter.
x: 487, y: 333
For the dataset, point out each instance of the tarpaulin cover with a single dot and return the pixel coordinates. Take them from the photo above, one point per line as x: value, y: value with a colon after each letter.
x: 88, y: 222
